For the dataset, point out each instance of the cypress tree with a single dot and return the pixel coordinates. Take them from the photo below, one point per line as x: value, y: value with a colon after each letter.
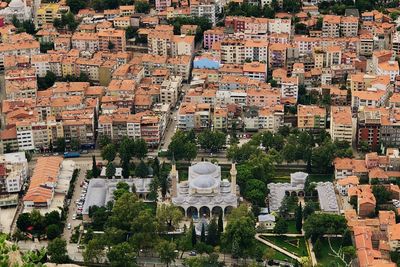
x: 212, y: 237
x: 299, y: 217
x: 194, y: 237
x: 203, y: 233
x: 220, y: 224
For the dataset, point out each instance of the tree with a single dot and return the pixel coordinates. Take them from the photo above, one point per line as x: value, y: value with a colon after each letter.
x: 220, y: 224
x: 126, y: 149
x: 240, y: 229
x: 193, y: 234
x: 382, y: 195
x: 57, y: 250
x: 60, y: 144
x: 125, y: 169
x: 281, y: 226
x: 140, y: 148
x: 130, y: 32
x: 122, y: 255
x: 103, y: 140
x: 317, y: 248
x: 255, y: 191
x: 110, y: 46
x: 52, y: 217
x: 211, y: 140
x: 46, y: 46
x: 76, y: 5
x: 142, y: 7
x: 24, y: 221
x: 121, y: 189
x: 142, y: 170
x: 299, y: 218
x: 212, y: 236
x: 53, y: 231
x: 203, y: 233
x: 182, y: 146
x: 364, y: 146
x: 166, y: 251
x: 75, y: 144
x: 109, y: 152
x: 94, y: 251
x: 110, y: 170
x: 169, y: 216
x: 316, y: 225
x: 95, y: 170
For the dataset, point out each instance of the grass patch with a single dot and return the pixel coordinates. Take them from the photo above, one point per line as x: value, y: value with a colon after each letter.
x: 277, y: 255
x: 292, y: 227
x: 295, y: 245
x: 320, y: 177
x: 324, y: 258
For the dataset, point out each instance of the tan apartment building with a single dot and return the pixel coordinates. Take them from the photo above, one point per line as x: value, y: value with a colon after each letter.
x: 311, y: 117
x: 341, y: 124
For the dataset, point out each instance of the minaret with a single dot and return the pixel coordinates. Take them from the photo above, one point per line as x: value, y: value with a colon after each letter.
x: 233, y: 173
x: 174, y: 178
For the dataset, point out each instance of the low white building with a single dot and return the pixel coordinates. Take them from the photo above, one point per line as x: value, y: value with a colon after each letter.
x: 266, y: 221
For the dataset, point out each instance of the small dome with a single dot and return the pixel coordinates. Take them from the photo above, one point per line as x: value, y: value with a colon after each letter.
x: 203, y: 182
x: 16, y: 4
x: 204, y: 168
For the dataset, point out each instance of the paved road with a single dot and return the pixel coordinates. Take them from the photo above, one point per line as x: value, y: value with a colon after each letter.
x: 283, y: 251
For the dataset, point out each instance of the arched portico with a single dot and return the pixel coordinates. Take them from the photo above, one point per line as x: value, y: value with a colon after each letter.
x: 216, y: 211
x: 205, y: 211
x: 192, y: 212
x: 228, y: 210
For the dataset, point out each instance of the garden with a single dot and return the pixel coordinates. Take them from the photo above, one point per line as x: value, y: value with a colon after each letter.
x: 295, y: 245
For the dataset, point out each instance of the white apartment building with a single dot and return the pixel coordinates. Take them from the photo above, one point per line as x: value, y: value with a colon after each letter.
x: 204, y: 8
x: 25, y: 136
x: 16, y: 168
x: 280, y: 26
x: 182, y: 45
x: 41, y: 64
x: 290, y: 87
x: 85, y: 41
x: 170, y: 90
x: 256, y: 50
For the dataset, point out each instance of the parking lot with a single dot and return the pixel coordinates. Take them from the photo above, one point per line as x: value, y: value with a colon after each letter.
x: 77, y: 199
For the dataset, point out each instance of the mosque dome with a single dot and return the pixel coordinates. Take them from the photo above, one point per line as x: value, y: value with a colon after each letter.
x: 203, y: 182
x: 16, y: 4
x: 204, y: 168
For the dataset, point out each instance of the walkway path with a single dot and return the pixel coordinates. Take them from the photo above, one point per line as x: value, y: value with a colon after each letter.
x: 281, y: 250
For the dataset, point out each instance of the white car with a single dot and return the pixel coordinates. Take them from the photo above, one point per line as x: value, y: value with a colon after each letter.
x: 69, y: 226
x: 74, y: 216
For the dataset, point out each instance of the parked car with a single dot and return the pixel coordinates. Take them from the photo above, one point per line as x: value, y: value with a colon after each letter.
x: 69, y: 226
x: 74, y: 216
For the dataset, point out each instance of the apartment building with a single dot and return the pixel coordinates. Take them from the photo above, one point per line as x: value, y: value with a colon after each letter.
x: 368, y: 98
x: 311, y: 117
x: 277, y: 55
x: 290, y: 88
x: 390, y: 68
x: 349, y: 26
x: 212, y: 36
x: 48, y: 12
x: 255, y: 70
x: 112, y: 40
x: 331, y: 26
x: 162, y: 4
x: 13, y: 171
x: 170, y: 89
x: 19, y: 47
x: 204, y: 8
x: 256, y: 50
x: 182, y: 45
x: 341, y: 124
x: 85, y: 41
x: 194, y: 116
x: 369, y: 127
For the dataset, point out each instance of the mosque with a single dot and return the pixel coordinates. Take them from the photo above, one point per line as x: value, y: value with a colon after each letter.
x: 204, y: 193
x: 17, y: 8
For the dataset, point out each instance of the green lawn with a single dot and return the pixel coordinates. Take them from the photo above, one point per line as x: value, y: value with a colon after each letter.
x: 292, y: 227
x: 324, y: 258
x: 296, y: 245
x: 277, y: 256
